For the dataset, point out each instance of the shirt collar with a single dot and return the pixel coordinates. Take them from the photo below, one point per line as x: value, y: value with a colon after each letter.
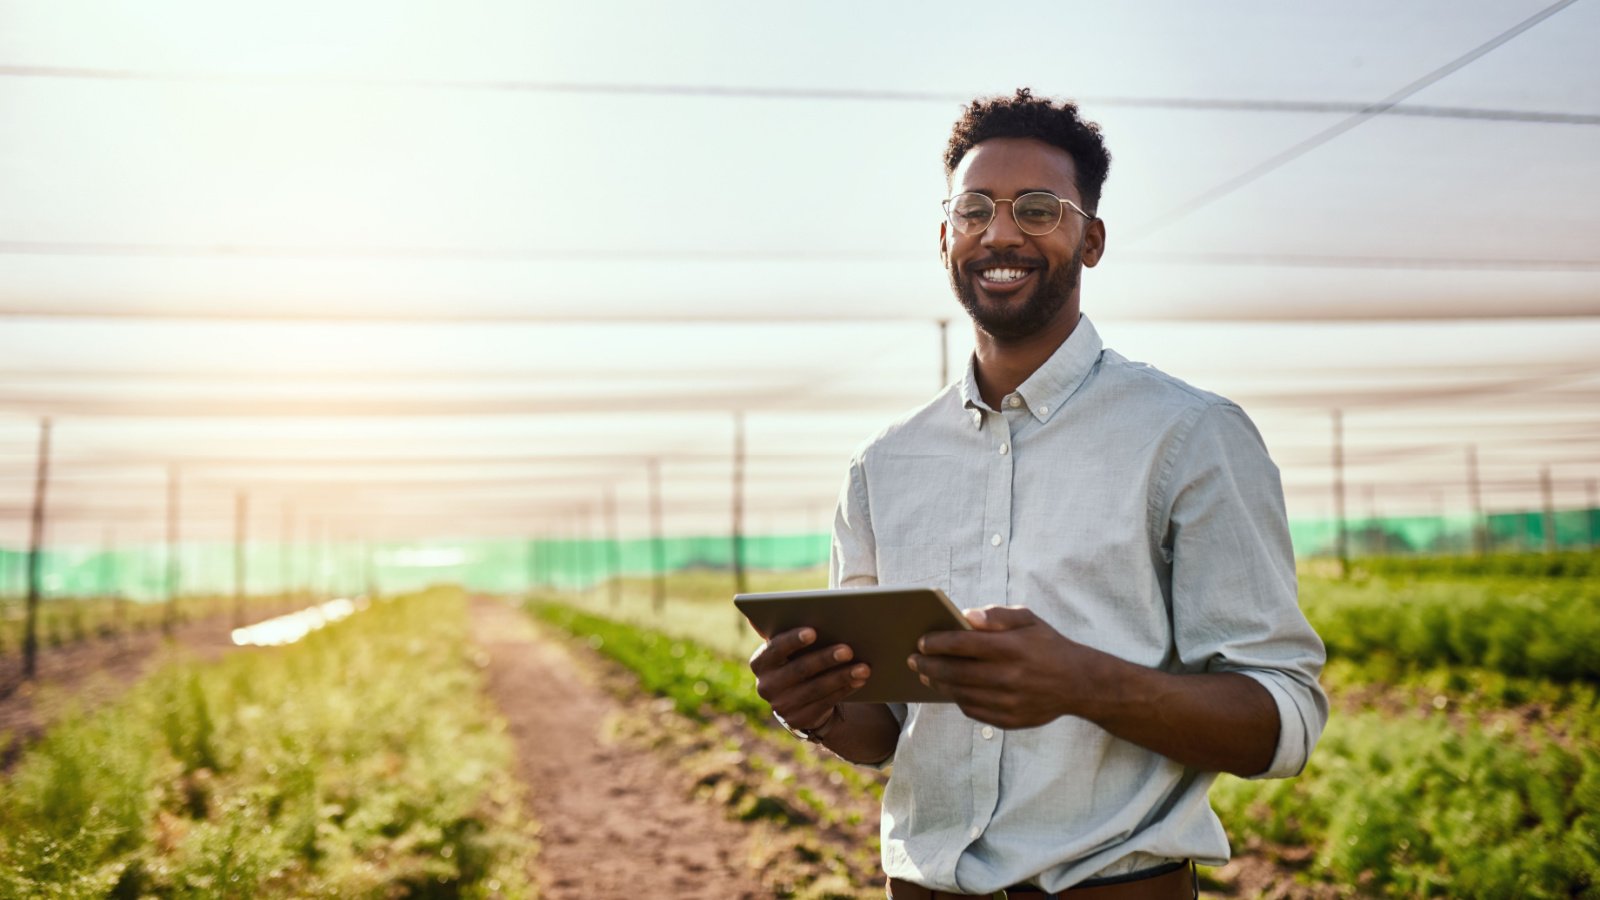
x: 1052, y: 383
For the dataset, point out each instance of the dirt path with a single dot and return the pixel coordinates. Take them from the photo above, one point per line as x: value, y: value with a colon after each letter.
x: 89, y: 673
x: 615, y: 821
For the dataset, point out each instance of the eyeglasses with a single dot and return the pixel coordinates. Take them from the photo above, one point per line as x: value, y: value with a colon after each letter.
x: 1037, y: 213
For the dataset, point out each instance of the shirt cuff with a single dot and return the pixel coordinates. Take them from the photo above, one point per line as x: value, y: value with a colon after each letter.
x: 1294, y: 733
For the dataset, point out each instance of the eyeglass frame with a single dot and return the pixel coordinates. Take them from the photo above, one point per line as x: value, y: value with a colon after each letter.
x: 994, y: 209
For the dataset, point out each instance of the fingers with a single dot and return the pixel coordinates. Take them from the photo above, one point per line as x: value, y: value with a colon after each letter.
x: 778, y: 648
x: 991, y: 626
x: 1001, y: 618
x: 950, y: 671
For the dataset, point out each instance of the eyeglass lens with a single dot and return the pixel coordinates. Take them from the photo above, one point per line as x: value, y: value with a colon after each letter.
x: 1037, y: 213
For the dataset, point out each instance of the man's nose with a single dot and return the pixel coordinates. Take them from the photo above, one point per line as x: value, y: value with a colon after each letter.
x: 1003, y: 230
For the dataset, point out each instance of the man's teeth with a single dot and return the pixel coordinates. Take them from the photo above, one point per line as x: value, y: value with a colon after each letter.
x: 1004, y: 274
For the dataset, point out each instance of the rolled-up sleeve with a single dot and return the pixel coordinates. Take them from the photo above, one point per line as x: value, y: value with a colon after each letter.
x: 1235, y: 604
x: 853, y: 555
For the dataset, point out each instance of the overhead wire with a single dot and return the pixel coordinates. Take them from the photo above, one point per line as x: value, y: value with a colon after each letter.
x: 1365, y: 114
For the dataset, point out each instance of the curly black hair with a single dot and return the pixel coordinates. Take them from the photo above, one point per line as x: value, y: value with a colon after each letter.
x: 1023, y: 115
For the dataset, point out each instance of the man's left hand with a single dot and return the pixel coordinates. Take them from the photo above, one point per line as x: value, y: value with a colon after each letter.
x: 1012, y: 670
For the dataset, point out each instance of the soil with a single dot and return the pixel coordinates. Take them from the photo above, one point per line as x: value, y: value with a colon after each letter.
x: 615, y: 820
x: 85, y: 674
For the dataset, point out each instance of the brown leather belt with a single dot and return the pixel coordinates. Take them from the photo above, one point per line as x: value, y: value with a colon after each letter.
x: 1167, y: 884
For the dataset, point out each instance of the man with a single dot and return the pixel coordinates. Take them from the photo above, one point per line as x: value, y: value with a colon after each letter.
x: 1125, y: 536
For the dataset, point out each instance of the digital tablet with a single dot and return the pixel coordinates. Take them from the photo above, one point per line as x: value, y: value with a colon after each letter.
x: 881, y: 625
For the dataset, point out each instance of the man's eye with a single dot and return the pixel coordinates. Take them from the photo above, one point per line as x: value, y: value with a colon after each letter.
x: 1037, y: 213
x: 972, y: 218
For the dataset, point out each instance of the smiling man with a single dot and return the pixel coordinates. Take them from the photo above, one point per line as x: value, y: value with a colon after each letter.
x: 1120, y: 540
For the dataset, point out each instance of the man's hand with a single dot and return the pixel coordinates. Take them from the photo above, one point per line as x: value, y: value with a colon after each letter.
x: 804, y: 684
x: 1013, y: 670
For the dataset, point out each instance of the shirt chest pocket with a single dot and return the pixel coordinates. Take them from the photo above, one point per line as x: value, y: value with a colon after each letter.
x: 915, y: 565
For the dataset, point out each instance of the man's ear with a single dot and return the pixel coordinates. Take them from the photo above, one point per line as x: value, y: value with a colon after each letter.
x: 1094, y: 243
x: 944, y: 243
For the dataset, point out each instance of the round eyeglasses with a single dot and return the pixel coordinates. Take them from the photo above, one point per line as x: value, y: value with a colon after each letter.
x: 1037, y: 213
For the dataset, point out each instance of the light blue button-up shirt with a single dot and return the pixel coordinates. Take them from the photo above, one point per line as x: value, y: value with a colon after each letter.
x: 1135, y: 514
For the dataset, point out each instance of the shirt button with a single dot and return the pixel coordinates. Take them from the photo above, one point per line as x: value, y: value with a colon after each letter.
x: 1004, y: 449
x: 988, y: 733
x: 995, y: 541
x: 976, y: 830
x: 1013, y: 401
x: 977, y: 418
x: 1044, y: 410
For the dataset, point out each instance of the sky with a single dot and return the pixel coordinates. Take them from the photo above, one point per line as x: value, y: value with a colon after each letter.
x: 463, y: 269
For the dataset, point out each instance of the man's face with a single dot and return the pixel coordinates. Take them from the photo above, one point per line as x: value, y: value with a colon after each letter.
x: 984, y: 268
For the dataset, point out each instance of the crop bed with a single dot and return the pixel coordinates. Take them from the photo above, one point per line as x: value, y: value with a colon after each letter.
x: 1461, y: 759
x: 360, y: 762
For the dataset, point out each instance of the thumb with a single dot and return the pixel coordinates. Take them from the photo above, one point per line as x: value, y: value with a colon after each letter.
x: 1001, y: 618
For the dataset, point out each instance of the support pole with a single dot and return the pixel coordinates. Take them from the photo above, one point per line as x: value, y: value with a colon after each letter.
x: 530, y: 561
x: 286, y: 553
x: 313, y: 560
x: 613, y: 548
x: 1547, y: 493
x: 1480, y: 525
x: 1589, y: 491
x: 113, y: 578
x: 241, y: 513
x: 658, y: 550
x: 169, y: 619
x: 30, y: 627
x: 1342, y: 537
x: 739, y: 583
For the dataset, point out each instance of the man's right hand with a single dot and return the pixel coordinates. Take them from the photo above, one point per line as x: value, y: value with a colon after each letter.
x: 805, y: 684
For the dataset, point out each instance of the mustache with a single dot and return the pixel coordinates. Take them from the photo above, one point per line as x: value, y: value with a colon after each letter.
x: 1006, y: 261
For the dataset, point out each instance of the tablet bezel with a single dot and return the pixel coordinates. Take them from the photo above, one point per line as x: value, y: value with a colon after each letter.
x: 880, y: 624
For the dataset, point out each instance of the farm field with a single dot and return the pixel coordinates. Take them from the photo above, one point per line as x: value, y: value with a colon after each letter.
x: 1461, y: 760
x: 360, y: 762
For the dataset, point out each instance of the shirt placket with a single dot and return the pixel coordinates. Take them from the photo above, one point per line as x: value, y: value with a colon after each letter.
x: 994, y: 583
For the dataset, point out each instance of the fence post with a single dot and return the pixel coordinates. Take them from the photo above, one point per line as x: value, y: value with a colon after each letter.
x: 658, y: 551
x: 170, y: 615
x: 613, y: 548
x: 30, y: 627
x: 1547, y: 493
x: 1342, y: 539
x: 241, y: 507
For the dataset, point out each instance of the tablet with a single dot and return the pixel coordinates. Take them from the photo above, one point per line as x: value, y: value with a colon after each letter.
x: 881, y: 625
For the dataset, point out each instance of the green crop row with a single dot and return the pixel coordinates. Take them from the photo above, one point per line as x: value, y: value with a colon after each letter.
x: 698, y: 680
x: 1564, y: 564
x: 360, y: 762
x: 1392, y: 804
x: 691, y: 675
x: 1418, y: 809
x: 1538, y: 629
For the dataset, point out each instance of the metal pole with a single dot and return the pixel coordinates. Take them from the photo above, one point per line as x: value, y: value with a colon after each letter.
x: 613, y: 548
x: 369, y: 555
x: 241, y: 512
x: 944, y: 353
x: 285, y: 554
x: 1342, y: 538
x: 1548, y: 493
x: 658, y: 550
x: 30, y: 627
x: 170, y: 616
x: 739, y: 583
x: 1594, y: 514
x: 119, y: 609
x: 313, y: 559
x: 1480, y: 525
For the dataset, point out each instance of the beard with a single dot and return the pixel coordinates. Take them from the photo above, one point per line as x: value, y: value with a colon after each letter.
x: 1007, y: 322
